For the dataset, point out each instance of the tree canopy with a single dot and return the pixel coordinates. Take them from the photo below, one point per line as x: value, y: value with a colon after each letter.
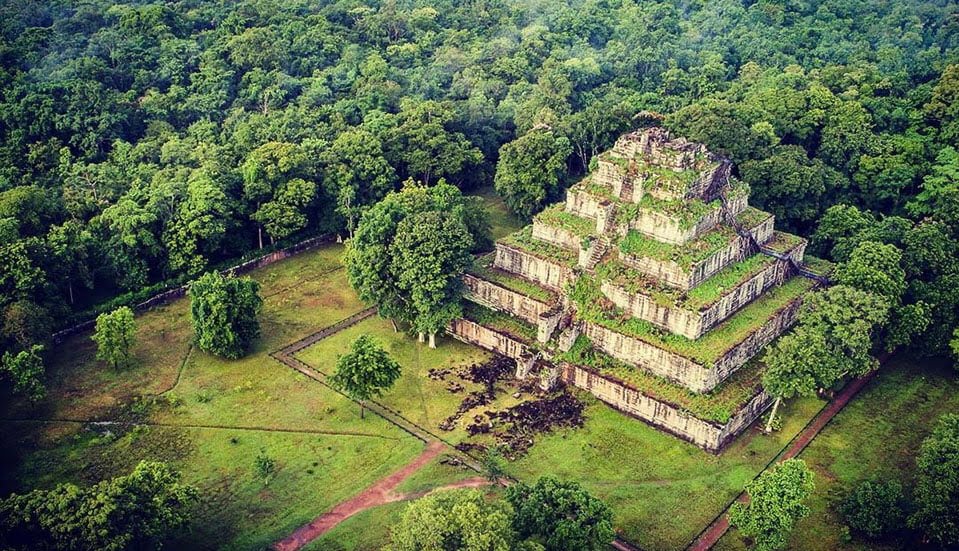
x: 224, y: 313
x: 365, y: 371
x: 775, y: 504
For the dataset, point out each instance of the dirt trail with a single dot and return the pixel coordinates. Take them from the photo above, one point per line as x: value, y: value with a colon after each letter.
x: 380, y: 493
x: 708, y: 538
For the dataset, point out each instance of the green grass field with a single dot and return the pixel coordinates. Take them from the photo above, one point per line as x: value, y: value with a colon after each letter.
x: 877, y: 434
x: 663, y: 491
x: 216, y: 416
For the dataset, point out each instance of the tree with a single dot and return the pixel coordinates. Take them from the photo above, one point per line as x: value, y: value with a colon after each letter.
x: 429, y: 150
x: 135, y: 511
x: 940, y: 190
x: 358, y: 173
x: 530, y: 170
x: 454, y: 519
x: 275, y: 183
x: 366, y: 371
x: 383, y: 272
x: 115, y: 335
x: 430, y: 251
x: 875, y: 508
x: 224, y: 314
x: 937, y: 485
x: 833, y: 338
x: 561, y: 515
x: 26, y: 370
x: 775, y: 504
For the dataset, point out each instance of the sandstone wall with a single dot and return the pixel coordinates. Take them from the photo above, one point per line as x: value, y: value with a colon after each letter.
x: 550, y: 274
x: 689, y: 323
x: 500, y: 298
x: 583, y: 204
x: 474, y: 333
x: 741, y: 353
x: 655, y: 360
x: 667, y: 228
x: 555, y: 235
x: 710, y: 436
x: 670, y: 273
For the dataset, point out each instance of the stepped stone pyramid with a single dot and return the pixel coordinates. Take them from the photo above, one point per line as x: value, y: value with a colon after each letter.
x: 654, y: 287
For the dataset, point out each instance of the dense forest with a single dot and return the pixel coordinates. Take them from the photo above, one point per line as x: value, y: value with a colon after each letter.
x: 143, y: 143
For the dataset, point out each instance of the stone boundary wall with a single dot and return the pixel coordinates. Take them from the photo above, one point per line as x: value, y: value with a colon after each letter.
x: 549, y: 274
x: 689, y: 323
x: 484, y: 337
x: 557, y: 236
x: 175, y: 293
x: 708, y: 435
x: 742, y: 352
x: 651, y: 358
x: 497, y: 297
x: 670, y: 273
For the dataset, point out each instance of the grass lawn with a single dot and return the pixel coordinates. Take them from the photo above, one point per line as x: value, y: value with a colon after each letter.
x: 877, y: 434
x: 213, y: 417
x: 422, y: 400
x: 663, y: 491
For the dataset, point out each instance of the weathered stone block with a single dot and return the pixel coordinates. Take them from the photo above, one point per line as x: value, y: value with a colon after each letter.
x: 484, y: 337
x: 497, y: 297
x: 710, y: 436
x: 560, y: 237
x: 550, y: 274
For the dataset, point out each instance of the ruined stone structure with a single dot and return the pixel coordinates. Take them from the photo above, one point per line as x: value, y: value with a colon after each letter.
x: 653, y: 286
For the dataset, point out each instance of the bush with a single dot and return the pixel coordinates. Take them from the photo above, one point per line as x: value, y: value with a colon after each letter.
x: 875, y: 508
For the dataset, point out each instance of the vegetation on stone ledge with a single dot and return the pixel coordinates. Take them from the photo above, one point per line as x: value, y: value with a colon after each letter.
x: 499, y: 321
x: 523, y: 239
x: 557, y: 217
x: 717, y: 406
x: 483, y: 268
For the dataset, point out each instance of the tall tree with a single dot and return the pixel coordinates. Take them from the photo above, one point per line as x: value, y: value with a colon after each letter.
x: 937, y: 485
x: 366, y: 371
x: 530, y: 170
x: 454, y: 519
x: 430, y: 149
x: 135, y: 511
x: 224, y: 314
x: 25, y: 369
x: 277, y: 184
x: 430, y: 251
x: 561, y: 515
x: 358, y: 173
x: 833, y: 338
x: 115, y: 335
x: 382, y: 273
x: 775, y: 504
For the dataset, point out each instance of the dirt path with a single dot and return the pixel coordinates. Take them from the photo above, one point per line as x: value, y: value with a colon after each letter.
x: 380, y: 493
x: 708, y: 538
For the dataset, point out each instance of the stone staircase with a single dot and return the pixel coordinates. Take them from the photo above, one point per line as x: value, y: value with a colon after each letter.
x: 595, y: 253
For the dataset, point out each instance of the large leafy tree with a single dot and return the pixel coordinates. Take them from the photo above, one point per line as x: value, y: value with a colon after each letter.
x: 25, y: 369
x: 224, y: 314
x: 833, y: 338
x: 115, y: 335
x: 530, y: 170
x: 357, y: 173
x: 366, y: 371
x: 937, y: 485
x: 561, y: 515
x: 278, y: 188
x: 430, y: 251
x: 135, y: 511
x: 389, y: 258
x: 430, y: 148
x: 775, y: 504
x: 454, y: 519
